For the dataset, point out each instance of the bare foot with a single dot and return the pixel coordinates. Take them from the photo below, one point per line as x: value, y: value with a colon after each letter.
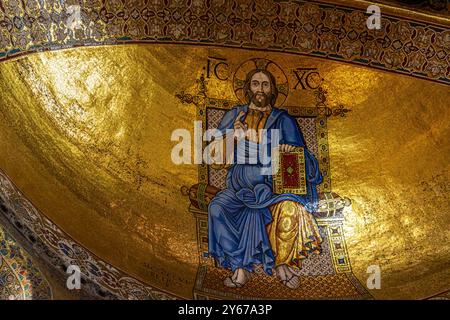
x: 287, y: 277
x: 238, y: 279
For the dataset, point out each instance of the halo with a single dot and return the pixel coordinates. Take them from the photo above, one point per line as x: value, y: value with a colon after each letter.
x: 265, y: 64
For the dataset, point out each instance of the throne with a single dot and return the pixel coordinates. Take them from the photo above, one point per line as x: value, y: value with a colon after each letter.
x: 327, y: 275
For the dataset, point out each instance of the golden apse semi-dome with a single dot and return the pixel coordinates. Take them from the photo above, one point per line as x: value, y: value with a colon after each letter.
x: 103, y: 107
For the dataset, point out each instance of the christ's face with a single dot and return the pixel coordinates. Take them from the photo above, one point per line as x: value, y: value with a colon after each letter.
x: 261, y: 89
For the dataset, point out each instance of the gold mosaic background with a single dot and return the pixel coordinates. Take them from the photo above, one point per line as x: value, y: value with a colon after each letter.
x: 85, y: 134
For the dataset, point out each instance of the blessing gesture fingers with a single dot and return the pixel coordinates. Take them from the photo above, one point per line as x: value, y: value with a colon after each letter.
x: 240, y: 128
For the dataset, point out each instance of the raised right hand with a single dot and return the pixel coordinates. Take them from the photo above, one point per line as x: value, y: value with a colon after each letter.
x: 238, y: 124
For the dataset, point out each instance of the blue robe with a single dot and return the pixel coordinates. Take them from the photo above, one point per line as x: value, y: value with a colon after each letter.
x: 239, y: 214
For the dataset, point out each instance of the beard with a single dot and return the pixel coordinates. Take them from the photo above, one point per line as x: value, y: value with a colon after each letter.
x: 260, y: 99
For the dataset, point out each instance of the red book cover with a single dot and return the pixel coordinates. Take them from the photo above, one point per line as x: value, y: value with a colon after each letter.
x: 291, y: 174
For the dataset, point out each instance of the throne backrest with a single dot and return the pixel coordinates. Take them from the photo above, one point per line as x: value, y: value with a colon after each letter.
x: 310, y: 122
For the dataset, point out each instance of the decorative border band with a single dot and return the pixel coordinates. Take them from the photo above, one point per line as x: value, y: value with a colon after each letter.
x: 329, y: 31
x: 15, y: 261
x: 51, y: 243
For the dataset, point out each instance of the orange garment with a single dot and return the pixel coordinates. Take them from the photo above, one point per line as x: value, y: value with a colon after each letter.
x: 293, y: 234
x: 256, y: 120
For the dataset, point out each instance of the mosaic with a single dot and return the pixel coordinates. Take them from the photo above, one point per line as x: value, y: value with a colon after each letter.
x: 57, y: 247
x: 322, y: 271
x: 19, y: 278
x: 403, y: 46
x: 331, y: 31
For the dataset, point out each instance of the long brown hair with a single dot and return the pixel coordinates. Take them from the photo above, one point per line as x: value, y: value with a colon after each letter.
x: 273, y: 86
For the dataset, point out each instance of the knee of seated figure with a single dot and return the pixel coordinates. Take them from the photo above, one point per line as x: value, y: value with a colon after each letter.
x: 289, y: 216
x: 289, y: 209
x: 214, y: 210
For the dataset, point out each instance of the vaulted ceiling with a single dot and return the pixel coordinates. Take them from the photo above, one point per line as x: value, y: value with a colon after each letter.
x: 86, y: 120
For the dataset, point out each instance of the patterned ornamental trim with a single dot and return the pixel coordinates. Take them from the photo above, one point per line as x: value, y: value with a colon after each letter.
x: 19, y: 278
x: 323, y: 154
x: 319, y: 264
x: 322, y: 30
x: 308, y: 129
x: 338, y: 248
x: 10, y: 285
x: 116, y: 283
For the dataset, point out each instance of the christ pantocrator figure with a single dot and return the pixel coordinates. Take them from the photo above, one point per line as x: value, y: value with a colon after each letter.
x: 248, y: 223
